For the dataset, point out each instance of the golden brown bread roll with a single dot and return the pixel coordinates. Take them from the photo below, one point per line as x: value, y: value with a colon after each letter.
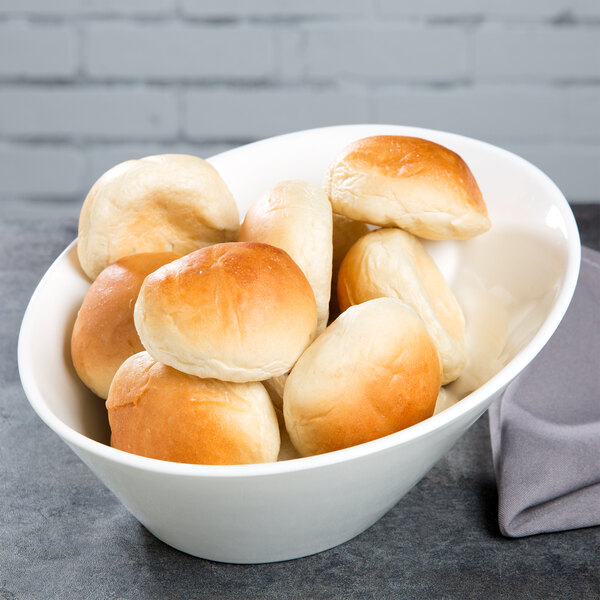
x: 410, y: 183
x: 372, y: 372
x: 296, y: 217
x: 159, y: 412
x: 394, y: 263
x: 104, y: 334
x: 240, y: 311
x: 168, y: 202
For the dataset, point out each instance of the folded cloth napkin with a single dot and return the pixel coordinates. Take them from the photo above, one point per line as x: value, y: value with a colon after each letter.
x: 545, y: 429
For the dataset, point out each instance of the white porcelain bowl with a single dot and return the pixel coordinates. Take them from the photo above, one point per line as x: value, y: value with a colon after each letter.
x: 515, y: 283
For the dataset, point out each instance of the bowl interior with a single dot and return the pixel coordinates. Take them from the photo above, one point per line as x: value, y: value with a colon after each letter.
x: 514, y: 282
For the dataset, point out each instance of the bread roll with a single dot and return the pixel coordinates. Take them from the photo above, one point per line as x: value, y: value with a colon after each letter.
x: 159, y: 412
x: 274, y: 387
x: 394, y: 263
x: 286, y: 449
x: 240, y: 311
x: 345, y: 233
x: 445, y: 400
x: 296, y: 217
x: 372, y: 372
x: 104, y: 334
x: 169, y: 202
x: 410, y: 183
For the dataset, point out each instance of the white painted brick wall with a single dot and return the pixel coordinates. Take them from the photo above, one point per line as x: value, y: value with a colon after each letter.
x: 581, y: 119
x: 37, y: 51
x: 101, y: 158
x: 575, y: 167
x: 41, y: 171
x: 386, y: 52
x: 85, y: 84
x: 273, y: 8
x: 95, y: 113
x: 519, y: 9
x: 252, y: 114
x: 537, y: 53
x: 504, y: 113
x: 172, y: 52
x: 75, y: 8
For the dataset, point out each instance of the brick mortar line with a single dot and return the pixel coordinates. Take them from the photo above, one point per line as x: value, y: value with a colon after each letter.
x: 81, y: 142
x: 554, y: 22
x: 322, y: 83
x: 93, y: 143
x: 96, y: 85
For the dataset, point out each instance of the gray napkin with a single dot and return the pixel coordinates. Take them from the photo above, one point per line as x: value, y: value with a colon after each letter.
x: 545, y: 429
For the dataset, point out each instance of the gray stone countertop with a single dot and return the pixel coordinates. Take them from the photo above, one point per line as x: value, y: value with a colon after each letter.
x: 63, y: 535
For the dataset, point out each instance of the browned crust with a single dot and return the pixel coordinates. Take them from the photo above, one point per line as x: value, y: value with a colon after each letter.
x: 356, y: 395
x: 104, y: 333
x: 159, y: 412
x: 237, y: 311
x: 383, y: 400
x: 407, y: 157
x: 232, y: 289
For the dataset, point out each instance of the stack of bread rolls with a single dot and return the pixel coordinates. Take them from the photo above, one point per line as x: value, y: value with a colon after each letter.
x: 318, y: 323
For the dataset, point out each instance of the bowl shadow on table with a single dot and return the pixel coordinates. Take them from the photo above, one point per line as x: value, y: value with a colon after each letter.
x: 459, y: 495
x: 455, y: 504
x: 476, y: 487
x: 487, y: 492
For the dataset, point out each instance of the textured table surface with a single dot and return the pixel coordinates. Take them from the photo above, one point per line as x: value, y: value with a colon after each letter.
x: 63, y: 535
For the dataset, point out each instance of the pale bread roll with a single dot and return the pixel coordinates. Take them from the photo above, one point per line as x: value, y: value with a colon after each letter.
x: 372, y: 372
x: 275, y: 388
x: 394, y: 263
x: 296, y: 217
x: 240, y: 311
x: 104, y: 334
x: 346, y: 232
x: 410, y: 183
x: 286, y: 450
x: 159, y: 412
x: 445, y: 400
x: 169, y: 202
